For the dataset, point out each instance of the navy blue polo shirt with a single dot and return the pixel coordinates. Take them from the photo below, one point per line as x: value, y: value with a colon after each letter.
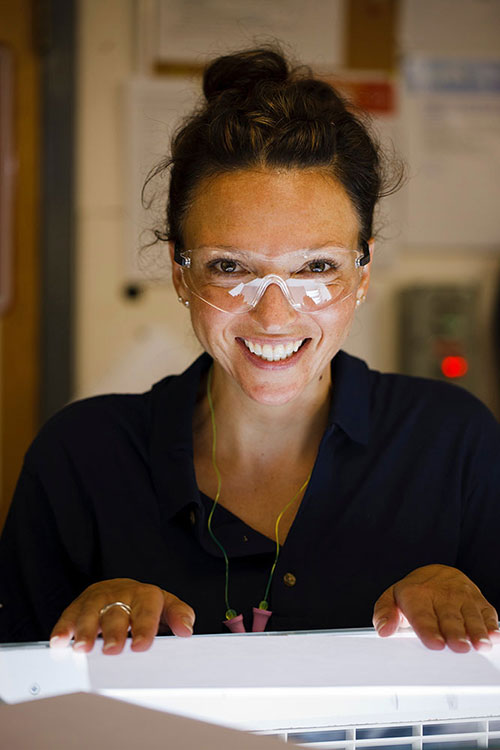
x: 407, y: 474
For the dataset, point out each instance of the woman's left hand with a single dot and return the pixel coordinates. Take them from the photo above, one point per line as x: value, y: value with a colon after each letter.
x: 442, y: 605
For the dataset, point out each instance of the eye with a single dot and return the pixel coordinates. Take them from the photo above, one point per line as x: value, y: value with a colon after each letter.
x: 228, y: 266
x: 320, y: 266
x: 225, y: 265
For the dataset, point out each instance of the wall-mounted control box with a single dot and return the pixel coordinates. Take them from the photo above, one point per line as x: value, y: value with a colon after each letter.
x: 439, y: 333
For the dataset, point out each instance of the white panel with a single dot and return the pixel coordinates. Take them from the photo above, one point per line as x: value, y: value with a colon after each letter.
x: 39, y: 672
x: 153, y: 110
x: 284, y: 681
x: 192, y: 29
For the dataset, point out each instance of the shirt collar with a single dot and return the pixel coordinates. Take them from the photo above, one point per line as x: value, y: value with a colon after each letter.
x: 172, y: 405
x: 173, y: 400
x: 351, y: 394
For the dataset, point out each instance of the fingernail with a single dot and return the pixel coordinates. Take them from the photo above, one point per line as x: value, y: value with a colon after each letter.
x: 464, y: 640
x: 380, y: 624
x: 59, y: 641
x: 108, y: 645
x: 80, y: 645
x: 485, y: 642
x: 187, y: 623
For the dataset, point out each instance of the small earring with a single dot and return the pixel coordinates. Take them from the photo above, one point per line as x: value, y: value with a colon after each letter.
x: 185, y: 302
x: 360, y: 300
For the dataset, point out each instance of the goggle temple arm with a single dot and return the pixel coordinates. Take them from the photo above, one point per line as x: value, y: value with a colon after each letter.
x: 365, y: 258
x: 179, y: 258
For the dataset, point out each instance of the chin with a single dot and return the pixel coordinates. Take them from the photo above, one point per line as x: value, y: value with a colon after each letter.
x: 272, y: 395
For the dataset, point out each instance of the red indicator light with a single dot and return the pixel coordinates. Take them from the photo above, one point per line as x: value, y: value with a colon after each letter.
x: 454, y: 367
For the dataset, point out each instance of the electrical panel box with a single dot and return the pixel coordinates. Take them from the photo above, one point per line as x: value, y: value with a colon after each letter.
x: 439, y: 333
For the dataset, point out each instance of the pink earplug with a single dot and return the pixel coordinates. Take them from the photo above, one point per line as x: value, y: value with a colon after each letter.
x: 260, y: 618
x: 235, y: 624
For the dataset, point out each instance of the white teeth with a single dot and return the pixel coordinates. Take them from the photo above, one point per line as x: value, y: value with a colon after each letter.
x: 267, y: 352
x: 274, y: 353
x: 279, y: 352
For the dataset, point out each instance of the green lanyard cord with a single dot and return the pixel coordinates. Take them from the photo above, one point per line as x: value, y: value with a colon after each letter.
x: 230, y: 613
x: 264, y: 603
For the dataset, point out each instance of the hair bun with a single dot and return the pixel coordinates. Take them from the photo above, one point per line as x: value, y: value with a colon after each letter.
x: 242, y: 71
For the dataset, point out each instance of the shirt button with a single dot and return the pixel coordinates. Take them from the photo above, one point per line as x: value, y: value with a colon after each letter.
x: 192, y: 517
x: 289, y: 579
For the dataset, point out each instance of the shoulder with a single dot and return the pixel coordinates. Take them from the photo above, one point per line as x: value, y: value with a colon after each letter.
x: 434, y: 413
x: 424, y: 395
x: 111, y: 429
x: 99, y: 425
x: 412, y: 403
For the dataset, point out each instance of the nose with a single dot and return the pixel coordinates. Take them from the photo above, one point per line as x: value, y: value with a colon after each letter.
x: 273, y: 312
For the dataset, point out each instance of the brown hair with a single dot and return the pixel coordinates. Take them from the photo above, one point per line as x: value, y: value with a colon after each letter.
x: 260, y: 112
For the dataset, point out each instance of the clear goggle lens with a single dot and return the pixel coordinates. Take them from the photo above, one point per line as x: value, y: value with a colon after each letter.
x: 235, y: 282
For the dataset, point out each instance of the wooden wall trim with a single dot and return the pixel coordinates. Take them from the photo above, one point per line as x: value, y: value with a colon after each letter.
x: 19, y: 377
x: 371, y: 34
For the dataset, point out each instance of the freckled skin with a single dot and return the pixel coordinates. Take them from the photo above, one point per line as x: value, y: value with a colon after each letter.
x: 271, y: 212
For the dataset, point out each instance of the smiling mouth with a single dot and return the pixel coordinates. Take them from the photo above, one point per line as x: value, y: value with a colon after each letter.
x: 275, y: 353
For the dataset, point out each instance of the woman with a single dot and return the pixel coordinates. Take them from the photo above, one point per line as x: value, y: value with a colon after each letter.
x: 278, y: 481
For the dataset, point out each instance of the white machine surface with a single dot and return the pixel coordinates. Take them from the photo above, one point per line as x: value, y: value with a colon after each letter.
x: 345, y: 689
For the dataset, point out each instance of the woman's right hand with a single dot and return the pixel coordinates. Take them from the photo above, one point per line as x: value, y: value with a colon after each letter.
x: 151, y: 608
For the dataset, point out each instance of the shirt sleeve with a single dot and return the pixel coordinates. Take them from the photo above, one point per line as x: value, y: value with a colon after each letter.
x: 479, y: 556
x: 37, y: 578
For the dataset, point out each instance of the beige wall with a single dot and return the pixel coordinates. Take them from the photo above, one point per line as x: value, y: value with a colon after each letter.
x: 127, y: 345
x: 120, y: 344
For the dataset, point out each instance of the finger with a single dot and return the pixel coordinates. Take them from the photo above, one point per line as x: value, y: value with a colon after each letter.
x: 479, y: 621
x: 80, y: 615
x: 422, y: 617
x: 386, y: 614
x: 114, y: 625
x: 178, y: 615
x: 61, y: 633
x: 452, y: 625
x: 145, y: 619
x: 86, y: 629
x: 87, y: 622
x: 491, y: 621
x: 64, y: 629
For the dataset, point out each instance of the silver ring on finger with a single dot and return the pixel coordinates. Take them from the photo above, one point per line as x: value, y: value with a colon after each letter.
x: 126, y: 608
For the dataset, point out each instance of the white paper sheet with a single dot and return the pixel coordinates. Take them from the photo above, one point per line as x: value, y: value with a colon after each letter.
x: 451, y: 117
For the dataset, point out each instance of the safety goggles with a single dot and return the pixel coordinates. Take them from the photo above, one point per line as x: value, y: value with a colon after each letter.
x: 234, y: 281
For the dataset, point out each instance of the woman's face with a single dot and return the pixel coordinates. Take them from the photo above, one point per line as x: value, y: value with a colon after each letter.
x: 271, y: 213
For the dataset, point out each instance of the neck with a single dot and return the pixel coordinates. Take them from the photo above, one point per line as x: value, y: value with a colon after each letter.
x: 251, y: 433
